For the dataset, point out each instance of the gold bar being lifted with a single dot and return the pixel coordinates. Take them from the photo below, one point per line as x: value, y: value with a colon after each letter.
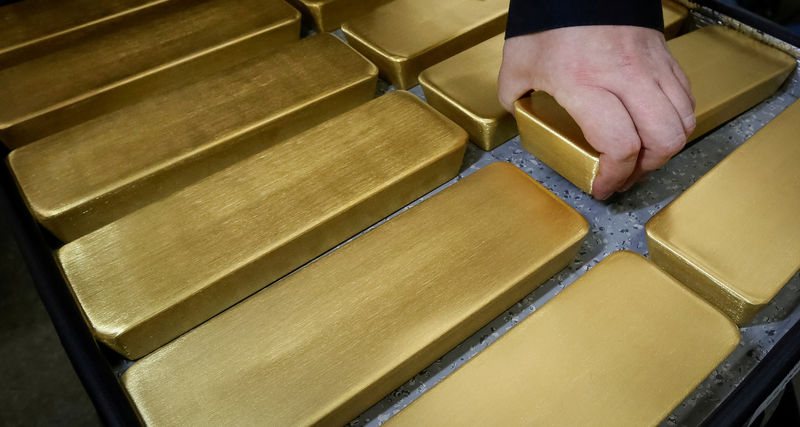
x: 33, y: 21
x: 162, y: 270
x: 624, y: 344
x: 45, y: 86
x: 464, y: 87
x: 404, y: 37
x: 729, y: 73
x: 734, y: 236
x: 329, y: 15
x: 322, y: 345
x: 85, y: 177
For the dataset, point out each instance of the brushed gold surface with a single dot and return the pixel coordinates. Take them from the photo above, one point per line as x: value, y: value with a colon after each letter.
x: 54, y: 75
x: 154, y: 274
x: 326, y: 342
x: 729, y: 72
x: 733, y: 237
x: 674, y: 16
x: 464, y: 87
x: 404, y: 37
x: 329, y: 15
x: 32, y: 21
x: 621, y: 346
x: 89, y: 175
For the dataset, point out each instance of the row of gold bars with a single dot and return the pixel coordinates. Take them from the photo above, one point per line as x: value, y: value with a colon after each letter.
x: 193, y: 155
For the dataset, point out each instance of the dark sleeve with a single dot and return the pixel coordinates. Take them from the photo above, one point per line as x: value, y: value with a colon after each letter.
x: 531, y: 16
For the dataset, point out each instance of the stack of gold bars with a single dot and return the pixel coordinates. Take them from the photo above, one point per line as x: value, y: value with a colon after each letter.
x: 196, y: 159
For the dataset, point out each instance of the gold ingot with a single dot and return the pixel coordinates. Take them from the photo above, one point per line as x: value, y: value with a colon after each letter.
x: 329, y: 15
x: 85, y: 177
x: 33, y: 21
x: 464, y: 87
x: 623, y: 345
x: 60, y: 82
x: 733, y: 237
x: 325, y: 343
x: 674, y: 16
x: 162, y: 270
x: 404, y: 37
x: 729, y: 73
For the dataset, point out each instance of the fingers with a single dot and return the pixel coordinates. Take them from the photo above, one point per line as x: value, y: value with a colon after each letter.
x: 682, y: 103
x: 677, y: 71
x: 608, y: 128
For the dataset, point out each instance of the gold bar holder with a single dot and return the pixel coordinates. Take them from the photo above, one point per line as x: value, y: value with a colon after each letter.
x: 87, y: 176
x: 625, y: 342
x: 733, y: 237
x: 325, y: 343
x: 464, y: 87
x: 404, y: 37
x: 729, y: 72
x: 113, y: 60
x: 329, y: 15
x: 180, y: 261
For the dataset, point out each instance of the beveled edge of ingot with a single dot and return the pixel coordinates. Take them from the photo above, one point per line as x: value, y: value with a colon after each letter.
x: 671, y: 29
x: 739, y: 308
x: 574, y: 160
x: 486, y: 132
x: 390, y: 65
x: 136, y: 339
x: 291, y: 22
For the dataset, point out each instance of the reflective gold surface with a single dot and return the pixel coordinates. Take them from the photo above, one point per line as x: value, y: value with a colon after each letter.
x: 674, y: 15
x: 82, y: 178
x: 405, y: 37
x: 729, y: 73
x: 32, y: 21
x: 621, y: 346
x: 734, y: 237
x: 464, y: 88
x: 329, y: 15
x: 164, y: 269
x: 45, y: 84
x: 326, y: 342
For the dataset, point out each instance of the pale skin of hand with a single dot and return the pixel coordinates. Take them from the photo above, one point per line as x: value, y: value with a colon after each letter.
x: 622, y: 86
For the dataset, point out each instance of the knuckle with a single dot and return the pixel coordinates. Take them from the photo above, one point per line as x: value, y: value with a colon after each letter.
x: 626, y: 148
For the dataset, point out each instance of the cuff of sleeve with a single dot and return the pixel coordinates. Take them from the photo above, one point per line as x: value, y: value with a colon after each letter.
x: 532, y: 16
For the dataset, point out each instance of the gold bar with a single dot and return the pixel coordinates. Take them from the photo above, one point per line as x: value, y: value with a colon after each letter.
x: 32, y: 21
x: 87, y: 176
x: 674, y: 16
x: 325, y: 343
x: 733, y: 237
x: 118, y: 52
x: 180, y: 261
x: 329, y: 15
x: 730, y: 73
x: 404, y: 37
x: 625, y: 342
x: 464, y: 87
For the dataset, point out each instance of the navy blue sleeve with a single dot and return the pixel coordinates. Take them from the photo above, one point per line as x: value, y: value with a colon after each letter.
x: 532, y: 16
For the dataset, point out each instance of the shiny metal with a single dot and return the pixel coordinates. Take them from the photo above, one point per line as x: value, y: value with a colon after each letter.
x: 622, y: 345
x: 405, y: 37
x: 734, y: 237
x: 162, y: 270
x: 674, y: 16
x: 46, y: 86
x: 464, y: 88
x: 329, y: 15
x: 729, y: 73
x: 32, y: 21
x: 326, y: 342
x: 91, y: 174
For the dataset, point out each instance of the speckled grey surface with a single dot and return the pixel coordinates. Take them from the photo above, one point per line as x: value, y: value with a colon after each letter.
x: 616, y: 225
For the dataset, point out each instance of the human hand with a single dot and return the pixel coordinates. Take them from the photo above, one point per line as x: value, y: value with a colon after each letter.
x: 622, y: 86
